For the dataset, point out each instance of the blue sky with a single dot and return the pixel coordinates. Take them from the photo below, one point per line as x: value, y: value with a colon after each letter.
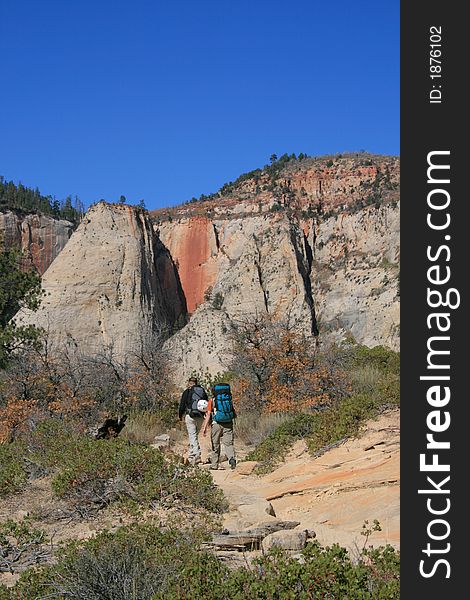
x: 167, y: 100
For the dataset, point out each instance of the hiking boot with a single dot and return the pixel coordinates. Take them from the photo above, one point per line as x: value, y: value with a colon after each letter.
x: 214, y: 467
x: 233, y: 463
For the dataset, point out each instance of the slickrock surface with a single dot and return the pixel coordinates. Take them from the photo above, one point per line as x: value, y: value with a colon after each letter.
x: 334, y: 494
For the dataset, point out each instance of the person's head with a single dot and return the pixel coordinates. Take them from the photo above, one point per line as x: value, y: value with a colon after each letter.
x: 192, y: 381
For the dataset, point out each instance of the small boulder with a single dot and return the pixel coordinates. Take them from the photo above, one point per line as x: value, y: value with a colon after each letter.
x: 288, y: 540
x: 161, y: 441
x: 254, y: 508
x: 247, y: 467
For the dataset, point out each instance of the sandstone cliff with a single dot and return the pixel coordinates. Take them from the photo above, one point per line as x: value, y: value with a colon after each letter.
x: 112, y: 286
x: 314, y: 241
x: 40, y: 237
x: 319, y: 247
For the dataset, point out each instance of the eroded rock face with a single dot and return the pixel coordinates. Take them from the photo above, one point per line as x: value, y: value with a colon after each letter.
x: 193, y: 245
x: 336, y: 277
x: 318, y: 247
x: 355, y: 275
x: 40, y: 237
x: 254, y: 266
x: 249, y: 265
x: 112, y: 285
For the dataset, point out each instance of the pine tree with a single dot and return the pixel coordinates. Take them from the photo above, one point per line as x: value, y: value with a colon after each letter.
x: 18, y: 289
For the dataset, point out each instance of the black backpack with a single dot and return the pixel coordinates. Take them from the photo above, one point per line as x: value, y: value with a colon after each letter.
x: 197, y: 393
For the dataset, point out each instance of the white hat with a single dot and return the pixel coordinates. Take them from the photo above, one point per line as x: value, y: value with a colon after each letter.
x: 202, y: 405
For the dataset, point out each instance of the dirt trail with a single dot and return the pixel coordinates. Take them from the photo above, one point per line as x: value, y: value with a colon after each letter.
x: 332, y: 494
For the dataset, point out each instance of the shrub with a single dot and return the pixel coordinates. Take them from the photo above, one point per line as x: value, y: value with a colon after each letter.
x: 272, y: 449
x: 278, y: 370
x: 95, y: 473
x: 217, y: 301
x: 100, y: 472
x: 384, y: 359
x: 139, y: 561
x: 142, y: 562
x: 388, y: 390
x: 51, y: 442
x: 21, y: 546
x: 340, y: 422
x: 376, y: 371
x: 12, y: 469
x: 324, y: 573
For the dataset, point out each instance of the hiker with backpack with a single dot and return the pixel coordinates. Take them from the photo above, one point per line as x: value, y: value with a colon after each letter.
x: 220, y: 414
x: 193, y: 405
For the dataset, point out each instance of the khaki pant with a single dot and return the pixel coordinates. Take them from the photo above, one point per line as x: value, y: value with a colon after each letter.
x: 221, y: 433
x: 193, y: 425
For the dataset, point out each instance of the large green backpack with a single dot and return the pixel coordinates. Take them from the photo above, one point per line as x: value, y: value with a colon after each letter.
x: 223, y: 406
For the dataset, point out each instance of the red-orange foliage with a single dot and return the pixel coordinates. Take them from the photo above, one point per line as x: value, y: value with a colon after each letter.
x: 14, y: 417
x: 277, y: 370
x: 78, y: 388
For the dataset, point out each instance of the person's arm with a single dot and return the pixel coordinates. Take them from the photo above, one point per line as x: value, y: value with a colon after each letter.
x: 207, y: 418
x: 182, y: 407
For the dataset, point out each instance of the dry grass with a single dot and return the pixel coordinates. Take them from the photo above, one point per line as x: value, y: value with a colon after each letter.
x: 365, y: 378
x: 143, y: 427
x: 253, y: 428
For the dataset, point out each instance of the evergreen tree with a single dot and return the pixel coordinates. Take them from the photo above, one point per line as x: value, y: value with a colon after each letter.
x: 22, y: 198
x: 18, y: 289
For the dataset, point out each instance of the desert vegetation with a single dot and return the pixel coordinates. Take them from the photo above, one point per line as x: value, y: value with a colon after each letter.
x: 144, y: 562
x: 361, y: 382
x: 53, y: 397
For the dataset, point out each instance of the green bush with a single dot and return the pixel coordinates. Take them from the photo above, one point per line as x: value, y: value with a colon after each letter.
x: 325, y: 573
x: 342, y: 421
x: 100, y: 472
x: 145, y: 563
x: 22, y: 545
x: 384, y: 359
x: 273, y: 448
x: 95, y: 473
x: 138, y: 561
x: 388, y: 390
x: 51, y: 442
x: 12, y: 468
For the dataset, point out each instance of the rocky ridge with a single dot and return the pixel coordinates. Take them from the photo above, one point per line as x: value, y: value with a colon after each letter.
x: 315, y: 242
x: 319, y: 246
